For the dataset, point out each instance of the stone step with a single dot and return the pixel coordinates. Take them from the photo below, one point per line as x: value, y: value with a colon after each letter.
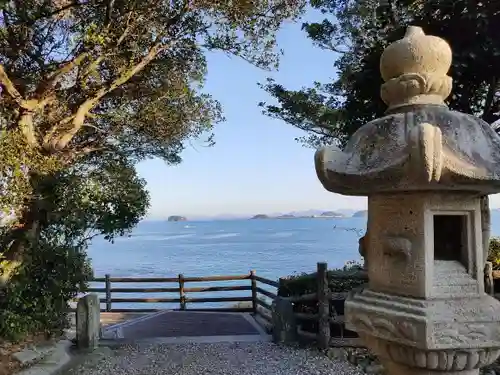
x: 33, y: 354
x: 447, y: 290
x: 463, y: 281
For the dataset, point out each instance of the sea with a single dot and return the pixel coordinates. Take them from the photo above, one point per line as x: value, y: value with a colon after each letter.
x: 274, y: 248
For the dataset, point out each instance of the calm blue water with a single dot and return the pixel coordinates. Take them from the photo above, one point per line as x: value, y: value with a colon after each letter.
x: 272, y: 247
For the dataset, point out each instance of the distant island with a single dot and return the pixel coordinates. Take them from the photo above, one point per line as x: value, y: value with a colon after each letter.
x: 286, y: 216
x: 363, y: 213
x: 260, y: 216
x: 323, y: 215
x: 331, y: 214
x: 176, y: 218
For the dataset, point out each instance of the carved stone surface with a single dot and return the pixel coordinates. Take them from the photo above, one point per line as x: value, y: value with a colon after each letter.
x: 436, y: 360
x: 420, y: 143
x: 428, y: 324
x: 362, y: 249
x: 426, y: 171
x: 485, y: 225
x: 88, y: 322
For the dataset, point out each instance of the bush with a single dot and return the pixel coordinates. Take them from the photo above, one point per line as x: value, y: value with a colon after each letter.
x: 494, y: 252
x: 339, y: 281
x: 36, y: 298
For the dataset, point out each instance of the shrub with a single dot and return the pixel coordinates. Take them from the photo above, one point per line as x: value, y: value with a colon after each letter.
x: 36, y: 298
x: 494, y: 253
x: 338, y: 281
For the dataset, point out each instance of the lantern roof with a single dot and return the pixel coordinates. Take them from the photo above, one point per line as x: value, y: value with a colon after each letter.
x: 420, y: 144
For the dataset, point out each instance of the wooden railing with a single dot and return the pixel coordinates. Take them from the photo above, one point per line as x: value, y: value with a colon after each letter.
x: 183, y: 293
x: 257, y: 300
x: 263, y: 308
x: 325, y: 316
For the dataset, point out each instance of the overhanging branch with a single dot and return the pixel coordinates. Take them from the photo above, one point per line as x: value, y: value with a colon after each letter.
x: 89, y: 104
x: 8, y: 85
x: 52, y: 79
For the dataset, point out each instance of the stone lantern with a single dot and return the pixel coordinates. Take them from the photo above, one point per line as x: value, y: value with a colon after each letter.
x: 426, y: 170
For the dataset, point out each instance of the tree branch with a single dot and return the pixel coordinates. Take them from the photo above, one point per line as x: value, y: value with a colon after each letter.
x: 9, y: 87
x: 109, y: 12
x: 93, y: 65
x: 125, y: 32
x: 90, y: 103
x: 92, y: 126
x: 42, y: 15
x: 52, y: 78
x: 25, y: 123
x: 78, y: 119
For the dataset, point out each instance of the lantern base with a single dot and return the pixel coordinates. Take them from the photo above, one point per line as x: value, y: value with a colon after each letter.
x: 426, y: 324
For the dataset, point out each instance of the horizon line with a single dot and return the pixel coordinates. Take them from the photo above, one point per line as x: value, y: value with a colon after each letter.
x: 235, y: 216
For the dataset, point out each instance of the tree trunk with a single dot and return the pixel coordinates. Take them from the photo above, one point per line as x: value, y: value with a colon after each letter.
x: 16, y: 241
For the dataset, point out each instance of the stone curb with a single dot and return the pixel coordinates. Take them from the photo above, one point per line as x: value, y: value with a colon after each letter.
x: 88, y: 359
x: 53, y: 362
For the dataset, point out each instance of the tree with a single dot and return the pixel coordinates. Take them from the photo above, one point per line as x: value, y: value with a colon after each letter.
x: 100, y: 195
x: 357, y: 31
x: 119, y: 80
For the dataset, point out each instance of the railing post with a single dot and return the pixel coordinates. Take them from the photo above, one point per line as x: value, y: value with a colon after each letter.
x: 323, y: 306
x: 254, y: 291
x: 489, y: 286
x: 182, y: 295
x: 107, y: 282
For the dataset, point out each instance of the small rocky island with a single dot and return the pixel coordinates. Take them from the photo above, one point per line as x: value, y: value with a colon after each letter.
x: 323, y: 215
x: 260, y: 216
x: 331, y: 214
x: 363, y: 213
x: 176, y: 218
x: 286, y: 216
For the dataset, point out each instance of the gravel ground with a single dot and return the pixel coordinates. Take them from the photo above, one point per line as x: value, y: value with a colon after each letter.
x: 218, y: 359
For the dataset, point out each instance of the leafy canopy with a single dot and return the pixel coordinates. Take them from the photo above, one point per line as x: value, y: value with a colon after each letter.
x: 90, y: 87
x: 116, y: 79
x: 122, y: 75
x: 357, y: 31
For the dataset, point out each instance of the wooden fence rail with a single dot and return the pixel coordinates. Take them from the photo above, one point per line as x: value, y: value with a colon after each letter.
x: 179, y: 293
x: 263, y: 299
x: 251, y: 302
x: 257, y: 300
x: 325, y: 315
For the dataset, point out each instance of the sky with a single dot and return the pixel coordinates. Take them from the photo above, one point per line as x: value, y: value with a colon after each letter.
x: 256, y: 166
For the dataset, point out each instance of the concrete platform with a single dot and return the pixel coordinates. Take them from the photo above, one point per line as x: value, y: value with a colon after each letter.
x: 172, y: 326
x: 107, y: 319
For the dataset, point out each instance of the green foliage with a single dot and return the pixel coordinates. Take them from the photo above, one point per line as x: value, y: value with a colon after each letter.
x: 494, y: 253
x: 88, y: 89
x: 339, y: 281
x: 124, y: 76
x: 357, y: 31
x: 36, y: 299
x: 85, y: 83
x: 103, y: 197
x: 15, y: 160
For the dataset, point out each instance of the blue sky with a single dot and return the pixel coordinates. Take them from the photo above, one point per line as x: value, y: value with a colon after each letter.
x: 256, y: 165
